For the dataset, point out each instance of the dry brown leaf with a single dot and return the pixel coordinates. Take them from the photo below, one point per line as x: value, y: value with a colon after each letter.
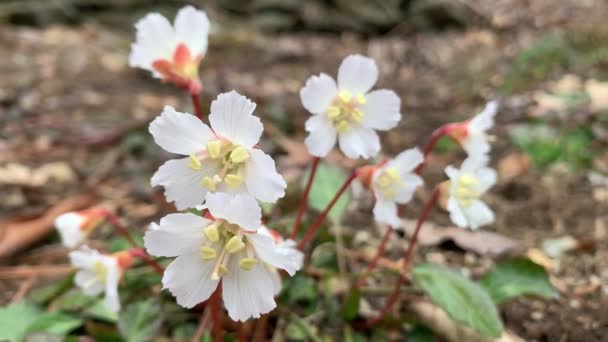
x: 598, y: 93
x: 435, y: 318
x: 513, y: 165
x: 480, y: 241
x: 16, y: 236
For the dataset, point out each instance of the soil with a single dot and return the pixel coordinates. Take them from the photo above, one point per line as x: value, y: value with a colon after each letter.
x: 67, y: 95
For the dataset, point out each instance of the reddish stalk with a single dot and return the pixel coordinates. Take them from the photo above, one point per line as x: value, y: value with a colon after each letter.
x: 202, y: 325
x: 437, y: 134
x: 407, y: 256
x: 140, y: 253
x: 374, y: 262
x: 214, y: 306
x: 312, y: 230
x: 304, y: 199
x: 196, y: 103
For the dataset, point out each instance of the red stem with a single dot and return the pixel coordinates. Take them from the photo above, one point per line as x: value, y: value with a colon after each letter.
x: 407, y: 256
x: 310, y: 233
x: 214, y: 303
x: 202, y: 325
x: 304, y: 199
x: 372, y: 264
x: 140, y: 253
x: 196, y: 103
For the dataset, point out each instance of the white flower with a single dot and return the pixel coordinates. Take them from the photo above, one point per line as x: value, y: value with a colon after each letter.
x: 172, y: 53
x: 467, y: 185
x: 284, y: 247
x: 394, y: 183
x: 222, y: 158
x: 99, y: 273
x: 227, y: 248
x: 348, y: 112
x: 471, y: 134
x: 75, y: 226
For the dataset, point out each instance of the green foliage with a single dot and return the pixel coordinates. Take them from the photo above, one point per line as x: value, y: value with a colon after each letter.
x: 516, y: 277
x: 100, y: 311
x: 327, y: 182
x: 140, y: 321
x: 420, y: 333
x: 15, y: 320
x: 461, y: 298
x: 45, y: 294
x: 547, y: 146
x: 56, y: 323
x: 350, y: 307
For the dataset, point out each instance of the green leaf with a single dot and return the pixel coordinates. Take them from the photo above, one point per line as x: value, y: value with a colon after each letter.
x: 140, y: 321
x: 74, y: 300
x: 295, y: 332
x: 462, y: 299
x: 100, y: 311
x: 517, y: 277
x: 420, y: 333
x: 56, y: 323
x: 302, y: 288
x: 44, y: 294
x: 350, y: 308
x: 15, y: 319
x: 327, y: 182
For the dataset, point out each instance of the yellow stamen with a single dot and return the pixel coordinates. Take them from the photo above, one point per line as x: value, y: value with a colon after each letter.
x: 100, y: 270
x: 208, y: 253
x: 214, y: 148
x: 194, y: 163
x: 467, y: 180
x: 393, y: 174
x: 212, y: 233
x: 239, y: 155
x: 333, y: 112
x: 233, y: 180
x: 357, y: 116
x: 208, y: 183
x: 345, y: 96
x: 361, y: 99
x: 235, y: 244
x: 342, y: 126
x: 223, y: 270
x: 247, y: 263
x: 389, y: 193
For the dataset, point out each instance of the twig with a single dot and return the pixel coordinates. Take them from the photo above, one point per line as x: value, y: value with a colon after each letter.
x: 304, y: 199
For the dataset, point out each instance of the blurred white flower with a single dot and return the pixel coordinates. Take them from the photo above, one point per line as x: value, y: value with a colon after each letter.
x: 284, y: 247
x: 172, y: 53
x: 394, y: 183
x: 467, y: 185
x: 347, y: 111
x: 75, y: 226
x: 222, y: 158
x: 99, y: 273
x: 227, y: 248
x: 471, y: 134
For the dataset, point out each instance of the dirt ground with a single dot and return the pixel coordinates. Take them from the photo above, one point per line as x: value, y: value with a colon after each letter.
x: 68, y: 97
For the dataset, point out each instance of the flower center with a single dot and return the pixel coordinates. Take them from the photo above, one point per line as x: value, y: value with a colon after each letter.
x: 229, y: 160
x: 229, y: 240
x: 466, y: 190
x: 101, y: 271
x: 182, y: 69
x: 344, y: 110
x: 387, y: 182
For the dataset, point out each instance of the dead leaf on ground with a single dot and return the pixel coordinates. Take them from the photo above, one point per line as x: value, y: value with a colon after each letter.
x: 18, y: 174
x: 16, y: 236
x: 598, y: 93
x: 481, y: 242
x: 513, y: 165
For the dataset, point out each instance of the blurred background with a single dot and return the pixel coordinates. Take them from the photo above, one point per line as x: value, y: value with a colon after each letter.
x: 74, y: 116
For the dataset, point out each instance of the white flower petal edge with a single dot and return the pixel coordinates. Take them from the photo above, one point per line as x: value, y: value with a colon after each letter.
x: 395, y: 183
x: 476, y: 141
x: 69, y: 226
x: 177, y: 234
x: 348, y: 112
x: 192, y: 28
x: 467, y: 185
x: 240, y: 209
x: 97, y: 273
x: 180, y: 133
x: 262, y: 180
x: 232, y: 119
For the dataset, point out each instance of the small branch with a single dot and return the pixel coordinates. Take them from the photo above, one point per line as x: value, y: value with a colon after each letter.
x: 304, y: 199
x: 310, y: 233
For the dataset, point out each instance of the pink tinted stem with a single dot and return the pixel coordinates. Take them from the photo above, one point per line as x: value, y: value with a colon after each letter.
x: 304, y: 199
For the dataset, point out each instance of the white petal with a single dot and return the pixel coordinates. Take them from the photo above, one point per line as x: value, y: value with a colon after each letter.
x: 476, y: 144
x: 182, y: 184
x: 177, y: 234
x: 276, y: 279
x: 262, y: 179
x: 484, y: 120
x: 386, y: 212
x: 231, y: 118
x: 452, y: 173
x: 112, y: 301
x: 285, y: 258
x: 192, y: 28
x: 474, y: 162
x: 382, y: 109
x: 180, y: 133
x: 486, y: 177
x: 188, y: 278
x: 457, y: 215
x: 247, y: 294
x: 405, y: 192
x: 359, y: 142
x: 88, y: 282
x: 84, y: 257
x: 155, y: 40
x: 322, y: 137
x: 407, y: 160
x: 68, y: 225
x: 318, y: 93
x: 239, y: 209
x: 357, y: 74
x: 479, y: 214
